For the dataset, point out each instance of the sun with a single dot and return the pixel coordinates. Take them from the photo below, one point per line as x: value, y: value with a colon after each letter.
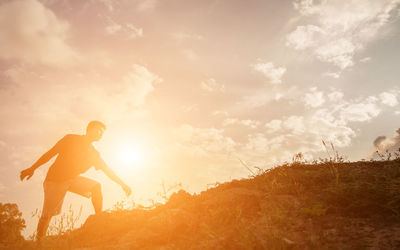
x: 128, y: 155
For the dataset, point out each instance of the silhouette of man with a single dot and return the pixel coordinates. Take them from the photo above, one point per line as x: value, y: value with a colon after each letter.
x: 76, y: 155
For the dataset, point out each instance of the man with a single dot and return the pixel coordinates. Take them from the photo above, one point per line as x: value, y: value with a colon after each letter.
x: 76, y: 155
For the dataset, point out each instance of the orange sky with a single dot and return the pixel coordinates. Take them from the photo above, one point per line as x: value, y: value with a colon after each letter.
x: 192, y: 86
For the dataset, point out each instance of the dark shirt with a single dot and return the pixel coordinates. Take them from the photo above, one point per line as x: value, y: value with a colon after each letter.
x: 75, y: 156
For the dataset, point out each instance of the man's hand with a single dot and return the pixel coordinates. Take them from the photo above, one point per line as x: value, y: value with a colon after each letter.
x: 26, y: 173
x: 126, y: 189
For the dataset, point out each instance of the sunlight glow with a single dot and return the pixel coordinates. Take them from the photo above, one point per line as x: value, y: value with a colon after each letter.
x: 128, y: 155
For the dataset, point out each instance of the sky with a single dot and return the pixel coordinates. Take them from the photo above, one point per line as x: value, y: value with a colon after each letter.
x: 189, y: 88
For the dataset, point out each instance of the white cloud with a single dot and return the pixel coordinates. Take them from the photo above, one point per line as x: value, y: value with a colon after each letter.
x: 247, y: 122
x: 250, y: 123
x: 138, y: 84
x: 146, y: 5
x: 260, y: 144
x: 335, y: 75
x: 362, y: 111
x: 109, y: 4
x: 211, y: 85
x: 314, y: 98
x: 133, y: 31
x: 31, y: 32
x: 257, y: 100
x: 273, y: 126
x: 128, y: 30
x: 339, y: 29
x: 190, y: 54
x: 220, y: 112
x: 366, y: 59
x: 181, y: 36
x: 113, y: 28
x: 335, y: 96
x: 331, y: 120
x: 305, y: 37
x: 230, y: 121
x: 272, y: 73
x: 389, y: 98
x: 295, y: 124
x: 339, y: 52
x: 276, y: 93
x: 203, y: 141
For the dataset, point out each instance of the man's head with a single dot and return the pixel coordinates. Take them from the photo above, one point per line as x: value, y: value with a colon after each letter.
x: 95, y: 130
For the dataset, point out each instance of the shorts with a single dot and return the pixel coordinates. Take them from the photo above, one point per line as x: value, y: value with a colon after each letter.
x: 54, y: 193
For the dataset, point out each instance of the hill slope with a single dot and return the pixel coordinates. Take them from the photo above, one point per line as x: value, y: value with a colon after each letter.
x: 297, y: 206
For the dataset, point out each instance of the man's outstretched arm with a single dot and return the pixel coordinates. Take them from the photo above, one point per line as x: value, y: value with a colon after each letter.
x: 111, y: 174
x: 42, y: 160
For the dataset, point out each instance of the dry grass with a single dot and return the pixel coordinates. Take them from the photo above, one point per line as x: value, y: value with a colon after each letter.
x: 324, y: 204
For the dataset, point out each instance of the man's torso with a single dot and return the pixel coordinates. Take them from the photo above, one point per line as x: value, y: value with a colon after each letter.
x: 75, y: 156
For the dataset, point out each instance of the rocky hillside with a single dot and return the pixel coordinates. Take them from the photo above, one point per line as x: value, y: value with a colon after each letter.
x: 294, y: 206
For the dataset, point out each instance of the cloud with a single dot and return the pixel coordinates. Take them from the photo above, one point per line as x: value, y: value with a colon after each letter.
x: 305, y: 37
x: 366, y: 59
x: 339, y: 29
x: 137, y: 84
x: 277, y: 93
x: 127, y: 30
x: 361, y: 111
x: 389, y: 98
x: 335, y: 75
x: 391, y: 145
x: 314, y: 98
x: 211, y: 85
x: 273, y: 126
x: 203, y: 141
x: 190, y: 54
x: 180, y: 37
x: 331, y: 119
x: 339, y: 52
x: 272, y: 73
x: 295, y: 124
x: 109, y: 4
x: 379, y: 140
x: 75, y: 100
x: 32, y: 33
x: 146, y: 5
x: 113, y: 28
x: 220, y: 112
x: 235, y: 121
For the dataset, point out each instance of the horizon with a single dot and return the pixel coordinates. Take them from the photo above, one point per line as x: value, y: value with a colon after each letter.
x: 187, y: 88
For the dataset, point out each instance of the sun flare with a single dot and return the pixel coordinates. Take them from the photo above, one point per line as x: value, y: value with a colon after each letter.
x: 128, y: 155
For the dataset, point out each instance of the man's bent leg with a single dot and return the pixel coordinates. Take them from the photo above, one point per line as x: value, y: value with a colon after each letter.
x: 42, y: 227
x: 88, y: 188
x: 97, y: 198
x: 54, y: 193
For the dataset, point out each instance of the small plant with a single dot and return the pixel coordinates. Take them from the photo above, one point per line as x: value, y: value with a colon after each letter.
x: 387, y: 156
x: 332, y: 160
x: 66, y: 222
x: 123, y: 205
x: 298, y: 158
x: 166, y: 191
x: 62, y: 224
